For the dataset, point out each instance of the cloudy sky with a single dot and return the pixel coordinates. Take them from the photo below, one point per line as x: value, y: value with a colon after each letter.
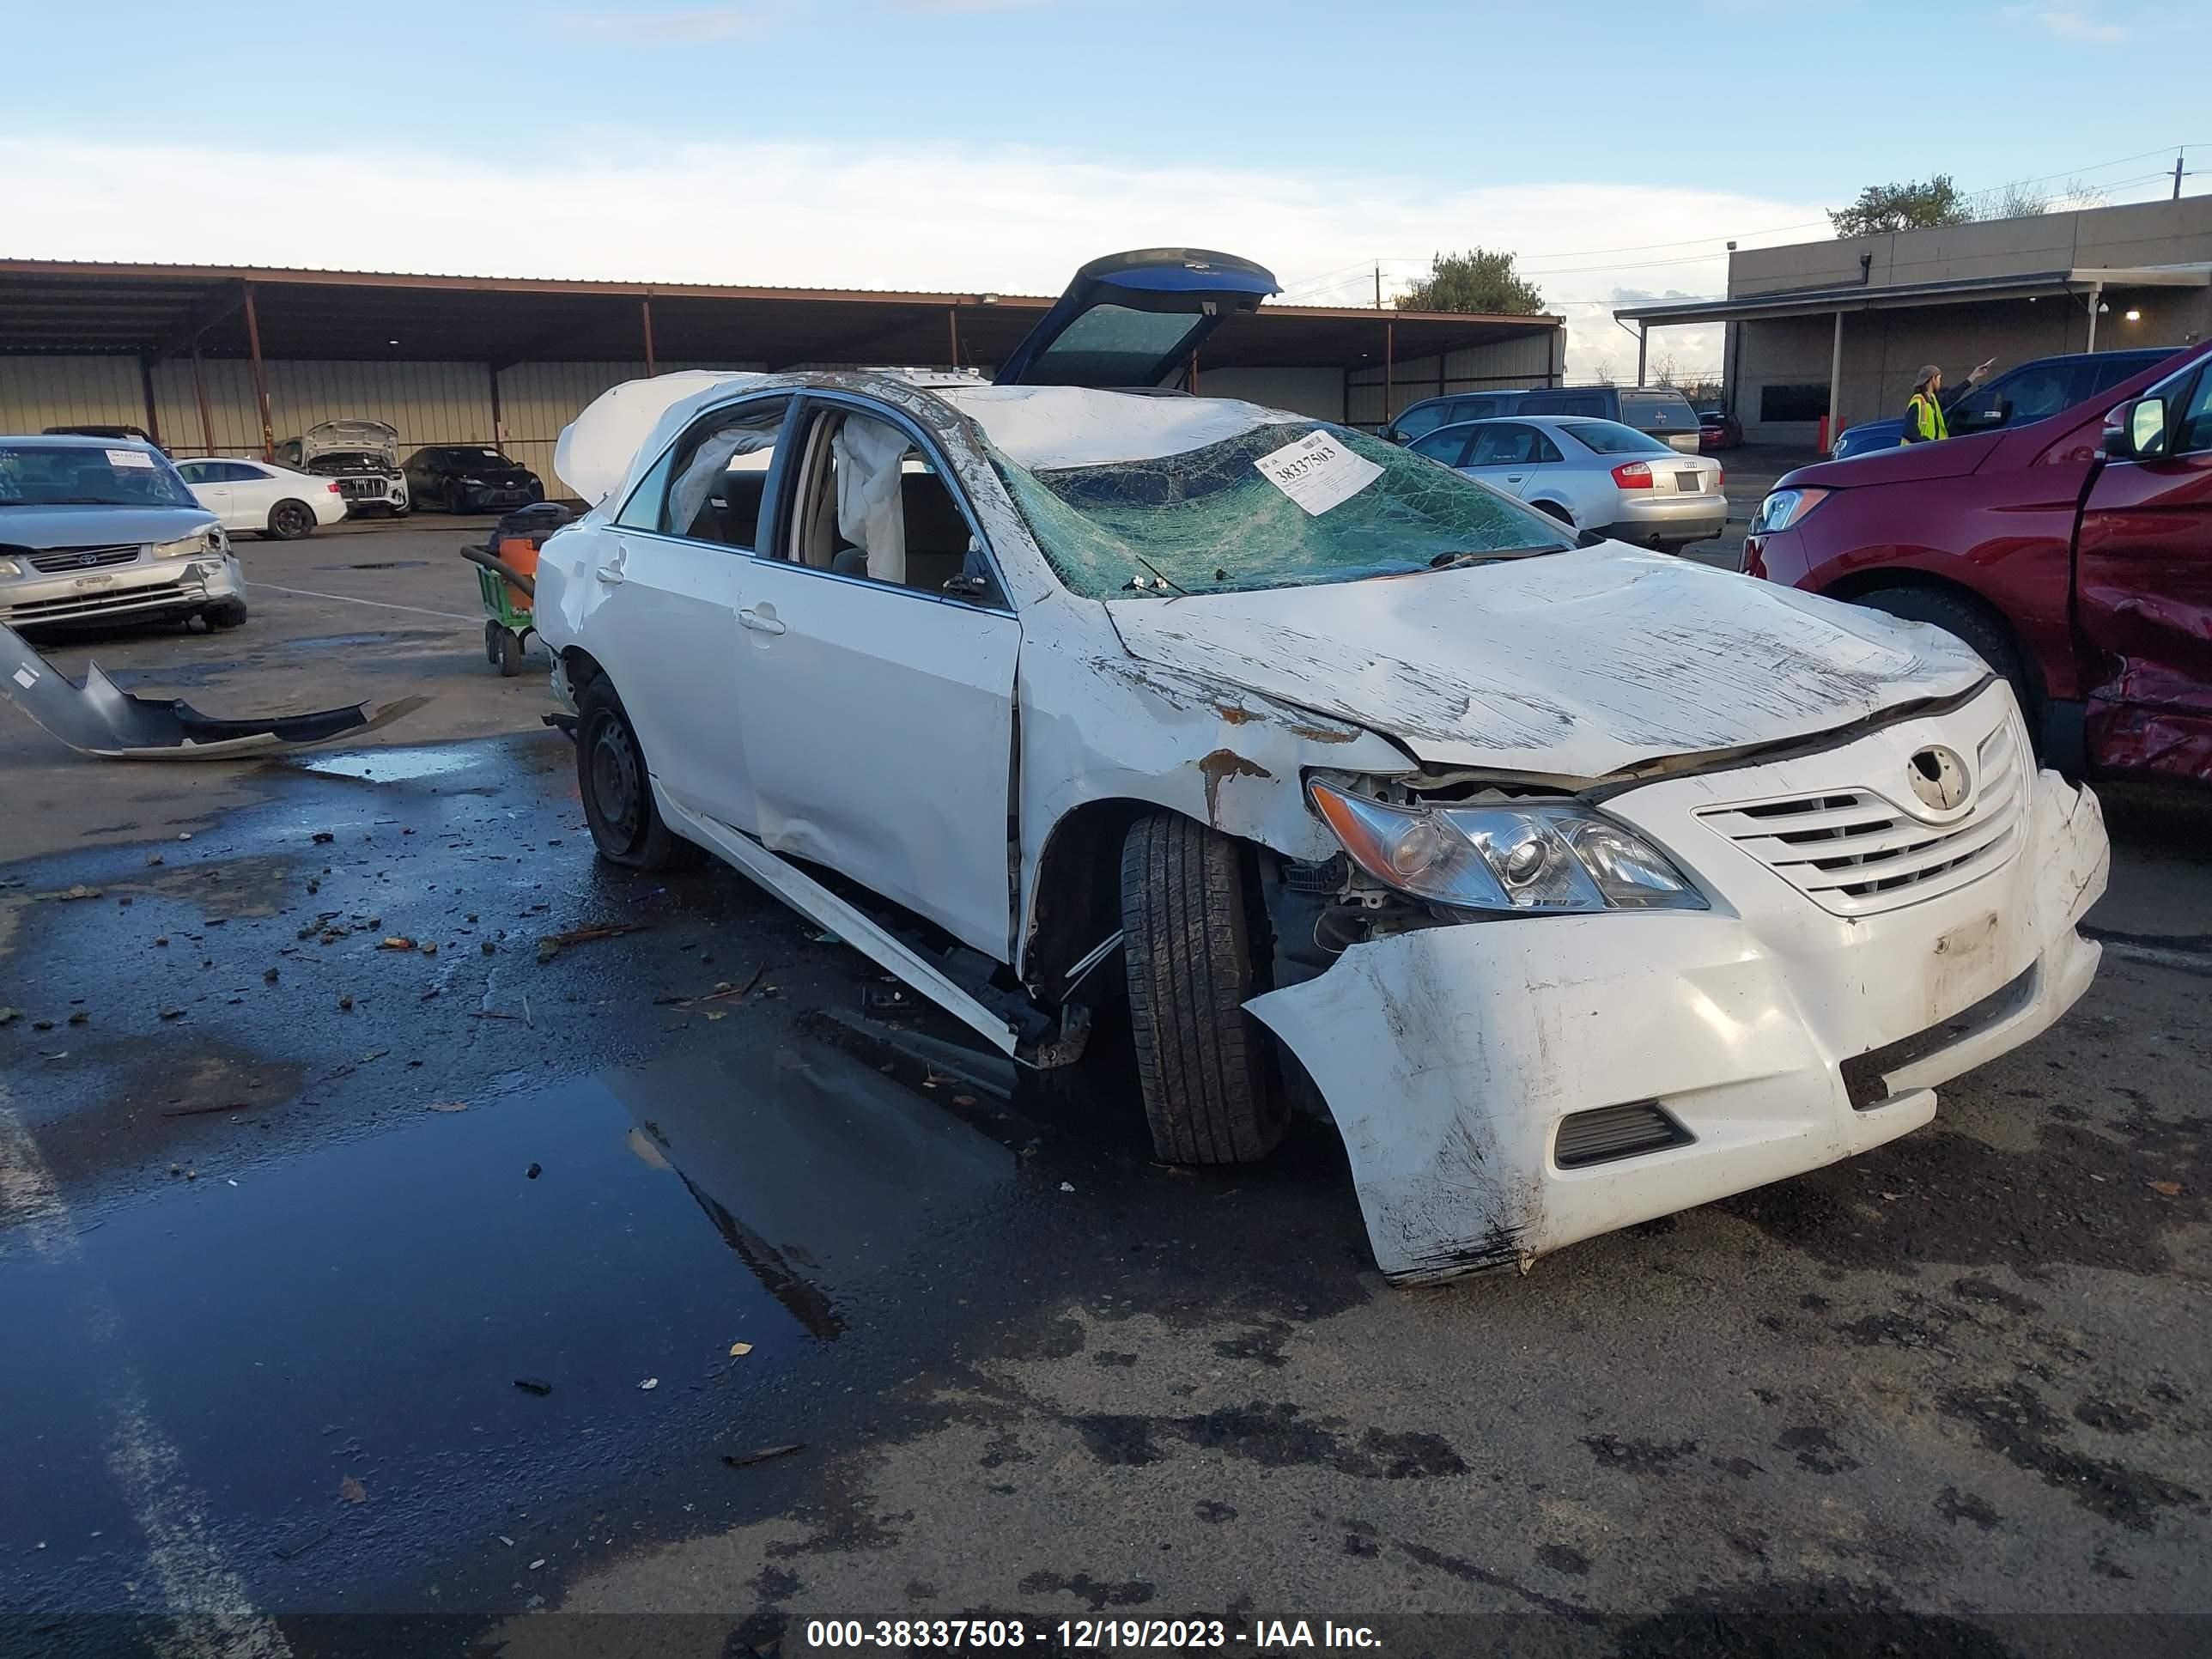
x: 995, y: 145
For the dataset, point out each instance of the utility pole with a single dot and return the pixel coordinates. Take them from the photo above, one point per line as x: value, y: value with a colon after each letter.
x: 1378, y: 275
x: 2177, y: 175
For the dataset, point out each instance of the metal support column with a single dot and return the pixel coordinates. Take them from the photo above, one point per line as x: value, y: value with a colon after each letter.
x: 199, y: 393
x: 1642, y: 345
x: 1835, y: 377
x: 1389, y: 368
x: 260, y: 377
x: 952, y: 334
x: 645, y: 317
x: 498, y: 420
x: 2096, y: 299
x: 146, y: 385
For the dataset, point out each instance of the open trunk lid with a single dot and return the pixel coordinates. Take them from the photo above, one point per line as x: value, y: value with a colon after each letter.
x: 1129, y: 319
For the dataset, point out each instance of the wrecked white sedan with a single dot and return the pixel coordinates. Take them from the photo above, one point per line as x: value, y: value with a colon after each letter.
x: 1580, y: 885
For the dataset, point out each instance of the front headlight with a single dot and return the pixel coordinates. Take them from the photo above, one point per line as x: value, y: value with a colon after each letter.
x: 1785, y: 507
x: 1551, y: 859
x: 10, y: 568
x: 210, y: 540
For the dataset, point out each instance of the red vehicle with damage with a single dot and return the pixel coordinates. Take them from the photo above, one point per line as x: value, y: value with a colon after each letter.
x: 2074, y: 553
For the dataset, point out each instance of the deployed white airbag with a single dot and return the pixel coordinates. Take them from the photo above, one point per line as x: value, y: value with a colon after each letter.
x: 870, y: 513
x: 596, y: 449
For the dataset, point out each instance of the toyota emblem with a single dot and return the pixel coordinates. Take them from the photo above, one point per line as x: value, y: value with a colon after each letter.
x: 87, y: 560
x: 1939, y: 778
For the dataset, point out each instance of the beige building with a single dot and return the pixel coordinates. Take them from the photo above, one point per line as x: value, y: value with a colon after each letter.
x: 1842, y: 326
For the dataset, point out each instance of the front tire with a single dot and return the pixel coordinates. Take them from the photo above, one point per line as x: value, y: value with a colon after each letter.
x: 1967, y: 618
x: 224, y: 613
x: 611, y: 774
x: 1201, y: 1059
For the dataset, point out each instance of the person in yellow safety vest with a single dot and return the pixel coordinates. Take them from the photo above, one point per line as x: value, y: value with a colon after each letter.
x: 1923, y: 409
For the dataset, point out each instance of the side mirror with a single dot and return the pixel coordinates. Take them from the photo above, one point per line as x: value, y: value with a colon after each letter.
x: 1591, y: 539
x: 2137, y: 431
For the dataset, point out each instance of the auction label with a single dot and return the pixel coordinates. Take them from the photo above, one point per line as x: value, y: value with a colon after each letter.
x: 1317, y: 472
x: 1069, y: 1636
x: 130, y: 457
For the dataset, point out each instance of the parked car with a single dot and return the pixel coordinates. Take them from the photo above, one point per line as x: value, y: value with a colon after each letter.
x: 1593, y: 475
x: 364, y: 456
x: 1345, y: 778
x: 1719, y: 429
x: 99, y: 530
x: 2028, y: 392
x: 1430, y: 413
x: 2072, y: 553
x: 267, y: 500
x: 470, y: 478
x: 134, y: 435
x: 1661, y: 411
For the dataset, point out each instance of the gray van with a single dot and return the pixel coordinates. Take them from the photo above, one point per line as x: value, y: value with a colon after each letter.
x: 1658, y: 411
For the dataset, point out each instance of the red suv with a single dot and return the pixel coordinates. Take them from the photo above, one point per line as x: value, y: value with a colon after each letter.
x: 2073, y: 553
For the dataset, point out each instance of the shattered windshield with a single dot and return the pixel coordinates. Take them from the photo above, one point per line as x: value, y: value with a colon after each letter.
x: 84, y: 474
x: 1283, y: 505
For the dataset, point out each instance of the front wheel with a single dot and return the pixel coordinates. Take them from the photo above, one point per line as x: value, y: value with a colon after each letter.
x: 1969, y: 619
x: 626, y: 826
x: 1201, y: 1059
x: 224, y: 613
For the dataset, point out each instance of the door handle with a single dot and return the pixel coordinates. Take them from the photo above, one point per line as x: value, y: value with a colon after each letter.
x: 1515, y: 477
x: 610, y: 573
x: 762, y: 621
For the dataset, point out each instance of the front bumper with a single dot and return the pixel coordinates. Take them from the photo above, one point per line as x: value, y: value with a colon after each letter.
x: 148, y: 591
x: 487, y: 498
x: 1449, y: 1057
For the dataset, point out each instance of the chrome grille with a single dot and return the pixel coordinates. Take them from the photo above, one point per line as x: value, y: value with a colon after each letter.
x: 364, y: 490
x: 1857, y: 851
x: 82, y: 558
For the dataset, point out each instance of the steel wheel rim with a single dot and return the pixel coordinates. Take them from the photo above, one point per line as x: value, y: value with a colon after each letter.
x: 614, y: 781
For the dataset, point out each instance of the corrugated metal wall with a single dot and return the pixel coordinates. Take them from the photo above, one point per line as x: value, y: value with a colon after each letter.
x: 429, y: 402
x: 1530, y: 360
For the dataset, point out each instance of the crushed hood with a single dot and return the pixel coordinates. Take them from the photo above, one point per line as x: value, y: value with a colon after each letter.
x: 43, y: 527
x: 1569, y: 665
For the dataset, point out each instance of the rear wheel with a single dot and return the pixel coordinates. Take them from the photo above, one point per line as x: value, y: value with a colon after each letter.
x: 1201, y: 1059
x: 1556, y: 511
x: 289, y: 521
x: 1969, y: 619
x: 625, y: 825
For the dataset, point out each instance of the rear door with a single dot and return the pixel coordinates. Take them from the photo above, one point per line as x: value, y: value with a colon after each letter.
x: 2144, y: 582
x: 1130, y: 320
x: 666, y: 625
x: 1504, y: 455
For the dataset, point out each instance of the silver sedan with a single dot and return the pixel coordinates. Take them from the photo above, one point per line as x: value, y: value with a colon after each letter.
x: 1593, y: 475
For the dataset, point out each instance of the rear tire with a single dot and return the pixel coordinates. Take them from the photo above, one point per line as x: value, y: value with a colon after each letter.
x: 1201, y: 1059
x: 611, y: 774
x: 1556, y: 511
x: 289, y: 521
x: 1967, y: 618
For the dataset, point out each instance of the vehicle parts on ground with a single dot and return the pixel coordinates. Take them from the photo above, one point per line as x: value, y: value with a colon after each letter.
x: 100, y: 718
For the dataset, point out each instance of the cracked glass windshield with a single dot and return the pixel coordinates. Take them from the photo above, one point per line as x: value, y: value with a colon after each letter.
x: 1212, y: 520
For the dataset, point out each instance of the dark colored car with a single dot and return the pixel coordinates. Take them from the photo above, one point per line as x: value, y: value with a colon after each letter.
x: 1718, y: 428
x: 135, y: 434
x: 2074, y: 553
x: 1658, y: 411
x: 2019, y: 395
x: 470, y: 478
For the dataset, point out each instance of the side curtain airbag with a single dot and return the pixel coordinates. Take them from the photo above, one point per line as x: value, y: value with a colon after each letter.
x: 869, y: 513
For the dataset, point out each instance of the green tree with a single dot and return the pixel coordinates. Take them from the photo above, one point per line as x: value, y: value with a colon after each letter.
x: 1911, y: 205
x: 1477, y: 280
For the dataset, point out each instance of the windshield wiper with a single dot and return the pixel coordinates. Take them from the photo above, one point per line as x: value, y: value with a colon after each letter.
x: 1459, y: 560
x: 1134, y: 585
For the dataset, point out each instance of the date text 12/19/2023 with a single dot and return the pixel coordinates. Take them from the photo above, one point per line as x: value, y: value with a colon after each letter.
x: 1085, y: 1635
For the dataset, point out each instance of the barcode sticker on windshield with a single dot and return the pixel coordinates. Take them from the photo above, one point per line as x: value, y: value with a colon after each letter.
x: 1317, y: 472
x: 128, y: 457
x: 26, y: 678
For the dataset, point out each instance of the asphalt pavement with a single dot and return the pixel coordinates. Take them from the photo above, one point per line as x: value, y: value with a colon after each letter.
x: 661, y: 1291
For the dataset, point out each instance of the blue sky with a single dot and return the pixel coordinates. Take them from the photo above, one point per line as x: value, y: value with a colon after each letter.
x: 994, y: 143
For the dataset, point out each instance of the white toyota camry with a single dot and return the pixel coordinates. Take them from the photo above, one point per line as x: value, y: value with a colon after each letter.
x: 1578, y: 884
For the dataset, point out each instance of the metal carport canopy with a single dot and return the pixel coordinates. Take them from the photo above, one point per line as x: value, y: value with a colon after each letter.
x: 1856, y: 296
x: 157, y: 311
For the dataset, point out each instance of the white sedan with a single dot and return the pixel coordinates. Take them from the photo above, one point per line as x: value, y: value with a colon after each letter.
x: 1578, y: 884
x: 1594, y: 474
x: 256, y: 495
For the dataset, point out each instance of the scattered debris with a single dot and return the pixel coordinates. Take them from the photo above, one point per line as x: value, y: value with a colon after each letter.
x: 1068, y: 1186
x: 8, y: 1016
x: 430, y: 948
x: 173, y: 1013
x: 529, y: 1385
x: 487, y: 947
x: 649, y: 1384
x: 533, y: 1172
x: 449, y: 1105
x: 352, y: 1490
x: 739, y: 1350
x: 345, y: 1004
x: 492, y: 1013
x: 538, y: 1563
x: 79, y: 891
x: 323, y: 837
x: 746, y: 1460
x: 397, y: 942
x: 2166, y: 1189
x: 42, y: 1025
x: 550, y: 945
x: 208, y: 1111
x: 152, y: 858
x: 270, y: 975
